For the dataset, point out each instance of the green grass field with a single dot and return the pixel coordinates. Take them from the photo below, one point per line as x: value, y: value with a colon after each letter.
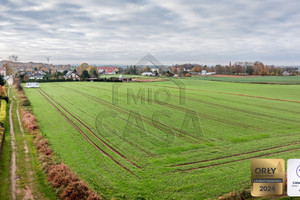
x: 256, y: 79
x: 196, y: 142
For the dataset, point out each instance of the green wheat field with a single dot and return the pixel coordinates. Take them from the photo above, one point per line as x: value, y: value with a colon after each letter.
x: 179, y: 139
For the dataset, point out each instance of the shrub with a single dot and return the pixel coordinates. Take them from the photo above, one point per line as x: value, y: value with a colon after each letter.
x: 29, y: 121
x: 3, y: 112
x: 42, y: 146
x: 76, y: 191
x: 25, y: 102
x: 61, y: 177
x: 3, y: 91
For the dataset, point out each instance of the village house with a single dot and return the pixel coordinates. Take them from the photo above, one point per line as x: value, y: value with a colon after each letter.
x: 147, y: 74
x: 72, y: 75
x: 107, y: 70
x: 2, y: 71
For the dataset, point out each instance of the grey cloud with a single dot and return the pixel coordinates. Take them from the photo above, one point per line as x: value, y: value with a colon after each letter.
x: 203, y: 31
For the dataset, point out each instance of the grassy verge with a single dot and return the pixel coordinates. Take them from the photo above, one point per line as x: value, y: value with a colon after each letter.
x: 5, y: 163
x: 66, y: 183
x: 29, y: 170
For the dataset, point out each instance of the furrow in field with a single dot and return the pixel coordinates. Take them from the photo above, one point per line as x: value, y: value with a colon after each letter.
x: 86, y: 137
x: 113, y: 131
x: 229, y: 93
x: 98, y: 138
x: 150, y: 100
x: 150, y: 140
x: 235, y: 161
x: 232, y: 156
x: 277, y: 108
x: 205, y: 115
x: 224, y: 121
x: 240, y: 110
x: 146, y: 119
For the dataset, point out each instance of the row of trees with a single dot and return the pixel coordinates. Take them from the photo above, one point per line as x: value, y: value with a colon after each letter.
x: 258, y: 68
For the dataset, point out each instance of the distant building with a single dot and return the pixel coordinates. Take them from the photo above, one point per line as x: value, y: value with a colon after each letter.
x: 38, y: 76
x: 205, y: 73
x: 32, y: 85
x: 107, y: 70
x: 72, y: 75
x: 148, y: 74
x: 210, y: 73
x: 286, y: 73
x: 2, y: 71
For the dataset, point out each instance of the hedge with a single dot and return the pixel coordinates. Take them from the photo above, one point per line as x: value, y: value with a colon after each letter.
x: 2, y: 120
x: 47, y: 80
x: 3, y: 112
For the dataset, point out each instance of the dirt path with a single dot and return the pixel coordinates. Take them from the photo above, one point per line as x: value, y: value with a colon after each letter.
x: 16, y: 190
x: 27, y: 191
x: 13, y: 156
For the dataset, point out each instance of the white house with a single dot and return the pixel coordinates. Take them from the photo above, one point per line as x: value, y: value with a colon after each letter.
x: 32, y: 85
x: 147, y: 74
x: 205, y: 73
x: 286, y: 73
x: 72, y: 75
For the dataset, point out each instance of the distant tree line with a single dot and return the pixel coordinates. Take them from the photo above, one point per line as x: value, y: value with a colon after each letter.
x: 257, y: 68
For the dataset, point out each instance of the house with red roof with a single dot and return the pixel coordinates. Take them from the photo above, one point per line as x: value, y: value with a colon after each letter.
x: 107, y: 70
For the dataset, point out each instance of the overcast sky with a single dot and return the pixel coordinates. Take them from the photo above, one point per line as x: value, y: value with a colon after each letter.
x: 174, y: 31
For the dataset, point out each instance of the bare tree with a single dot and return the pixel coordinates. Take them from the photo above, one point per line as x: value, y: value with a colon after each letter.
x: 13, y: 58
x: 11, y: 69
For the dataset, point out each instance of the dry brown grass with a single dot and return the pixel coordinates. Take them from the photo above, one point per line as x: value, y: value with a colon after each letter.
x: 29, y: 121
x: 239, y: 195
x: 42, y: 145
x: 75, y: 191
x: 61, y: 177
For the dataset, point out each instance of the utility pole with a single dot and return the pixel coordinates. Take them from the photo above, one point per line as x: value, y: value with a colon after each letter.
x: 48, y: 58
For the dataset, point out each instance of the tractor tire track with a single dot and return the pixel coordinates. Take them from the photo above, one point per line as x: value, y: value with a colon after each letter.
x: 98, y: 138
x: 223, y: 121
x: 114, y: 132
x: 234, y: 161
x: 213, y: 105
x: 126, y: 120
x: 236, y: 94
x: 146, y: 119
x: 142, y: 118
x: 122, y: 138
x: 87, y: 138
x: 232, y: 156
x: 111, y: 131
